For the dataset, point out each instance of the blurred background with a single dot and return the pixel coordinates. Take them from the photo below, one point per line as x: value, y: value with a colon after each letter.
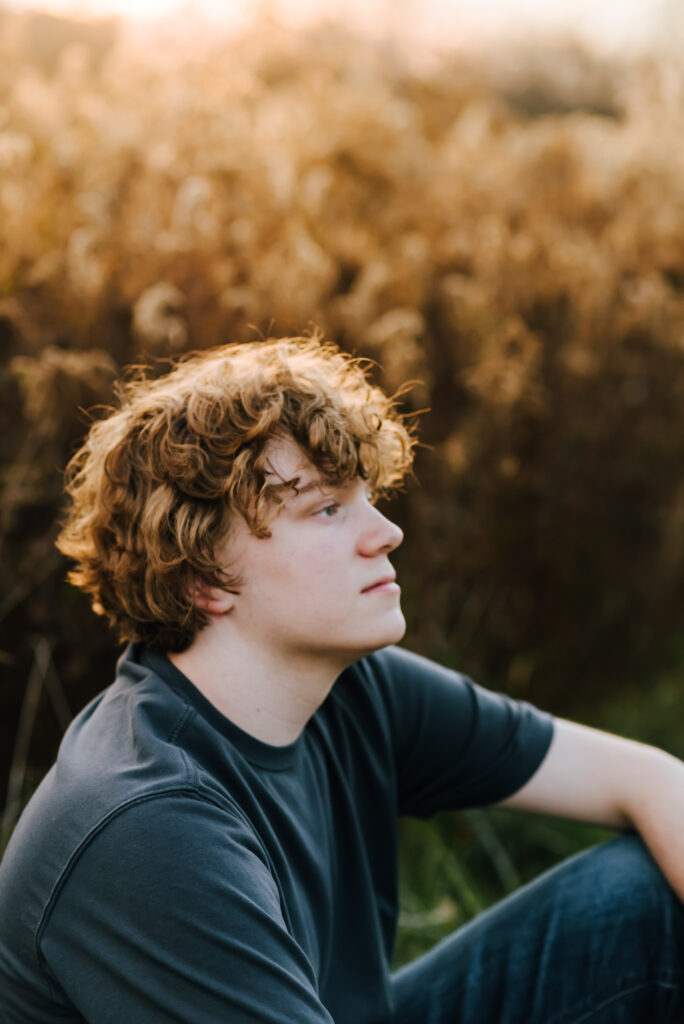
x: 486, y: 199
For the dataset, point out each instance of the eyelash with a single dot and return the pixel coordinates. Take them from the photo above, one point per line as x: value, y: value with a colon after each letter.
x: 334, y: 505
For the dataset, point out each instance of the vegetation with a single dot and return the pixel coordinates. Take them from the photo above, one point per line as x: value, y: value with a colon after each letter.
x: 508, y: 232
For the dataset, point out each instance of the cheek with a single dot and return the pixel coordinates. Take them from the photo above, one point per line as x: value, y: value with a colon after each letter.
x: 329, y: 560
x: 318, y: 577
x: 309, y: 567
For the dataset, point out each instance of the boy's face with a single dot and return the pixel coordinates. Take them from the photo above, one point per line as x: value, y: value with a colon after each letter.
x: 322, y: 582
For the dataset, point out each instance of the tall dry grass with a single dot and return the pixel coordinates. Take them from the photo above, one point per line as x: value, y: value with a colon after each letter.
x: 507, y: 231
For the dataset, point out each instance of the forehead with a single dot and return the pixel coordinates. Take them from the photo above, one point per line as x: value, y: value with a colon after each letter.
x: 286, y: 460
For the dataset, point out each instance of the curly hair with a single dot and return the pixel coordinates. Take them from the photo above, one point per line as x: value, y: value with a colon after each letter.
x: 158, y: 481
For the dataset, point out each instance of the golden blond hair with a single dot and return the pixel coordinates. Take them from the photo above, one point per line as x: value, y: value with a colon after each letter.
x: 156, y: 483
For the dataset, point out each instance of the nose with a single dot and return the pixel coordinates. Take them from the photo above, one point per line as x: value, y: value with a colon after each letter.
x: 380, y: 535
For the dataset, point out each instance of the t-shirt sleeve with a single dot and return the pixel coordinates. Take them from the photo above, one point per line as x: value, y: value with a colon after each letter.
x: 455, y: 744
x: 171, y: 914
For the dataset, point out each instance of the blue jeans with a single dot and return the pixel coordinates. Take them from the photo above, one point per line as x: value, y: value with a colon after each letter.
x: 597, y: 940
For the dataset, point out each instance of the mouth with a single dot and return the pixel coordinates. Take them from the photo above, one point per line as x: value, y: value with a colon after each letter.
x: 386, y: 585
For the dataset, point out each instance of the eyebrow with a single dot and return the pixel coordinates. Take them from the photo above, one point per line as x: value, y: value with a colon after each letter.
x: 317, y: 484
x: 294, y: 491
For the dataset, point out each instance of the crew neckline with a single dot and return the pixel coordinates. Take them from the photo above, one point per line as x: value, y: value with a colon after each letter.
x: 256, y: 751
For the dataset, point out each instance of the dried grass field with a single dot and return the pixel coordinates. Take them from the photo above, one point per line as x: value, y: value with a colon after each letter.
x: 506, y: 232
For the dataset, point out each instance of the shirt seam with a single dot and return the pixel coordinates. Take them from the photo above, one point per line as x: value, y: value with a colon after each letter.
x: 50, y: 903
x: 191, y: 788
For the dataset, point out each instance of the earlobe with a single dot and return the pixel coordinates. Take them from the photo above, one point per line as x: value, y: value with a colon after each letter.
x: 213, y: 599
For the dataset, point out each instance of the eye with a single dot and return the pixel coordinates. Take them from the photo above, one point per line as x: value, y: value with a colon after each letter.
x: 329, y: 510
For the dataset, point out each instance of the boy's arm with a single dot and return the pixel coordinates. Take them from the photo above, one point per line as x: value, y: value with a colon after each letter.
x: 170, y: 914
x: 594, y: 776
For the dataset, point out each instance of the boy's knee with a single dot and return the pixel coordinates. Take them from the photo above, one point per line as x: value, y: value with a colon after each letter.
x: 623, y: 886
x: 624, y: 869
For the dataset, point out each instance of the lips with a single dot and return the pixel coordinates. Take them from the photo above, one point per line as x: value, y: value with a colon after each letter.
x: 379, y: 583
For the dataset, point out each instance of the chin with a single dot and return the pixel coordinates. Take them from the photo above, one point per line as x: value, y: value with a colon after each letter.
x: 386, y: 632
x: 392, y: 633
x: 399, y: 630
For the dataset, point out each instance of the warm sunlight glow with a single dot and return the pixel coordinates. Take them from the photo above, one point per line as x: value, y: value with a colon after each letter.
x: 612, y: 23
x: 225, y: 11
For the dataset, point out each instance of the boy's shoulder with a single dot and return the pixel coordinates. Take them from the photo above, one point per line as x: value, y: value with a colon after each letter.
x: 119, y: 751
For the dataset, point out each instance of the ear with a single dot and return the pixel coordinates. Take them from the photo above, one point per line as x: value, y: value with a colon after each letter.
x: 213, y: 599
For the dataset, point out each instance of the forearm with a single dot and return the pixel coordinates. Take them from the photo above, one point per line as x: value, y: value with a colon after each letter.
x: 590, y: 775
x: 653, y: 804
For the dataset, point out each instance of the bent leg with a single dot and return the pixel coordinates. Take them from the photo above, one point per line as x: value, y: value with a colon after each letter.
x: 597, y: 940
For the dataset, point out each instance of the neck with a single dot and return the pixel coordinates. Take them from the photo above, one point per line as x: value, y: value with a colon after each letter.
x: 268, y: 693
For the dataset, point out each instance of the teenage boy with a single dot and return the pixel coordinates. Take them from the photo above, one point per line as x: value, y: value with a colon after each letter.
x: 217, y: 841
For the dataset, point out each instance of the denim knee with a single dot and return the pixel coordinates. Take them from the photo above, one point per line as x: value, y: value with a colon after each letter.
x: 596, y: 940
x: 635, y: 920
x: 623, y: 875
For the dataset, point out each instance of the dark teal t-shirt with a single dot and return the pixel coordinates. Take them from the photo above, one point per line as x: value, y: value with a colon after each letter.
x: 172, y: 868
